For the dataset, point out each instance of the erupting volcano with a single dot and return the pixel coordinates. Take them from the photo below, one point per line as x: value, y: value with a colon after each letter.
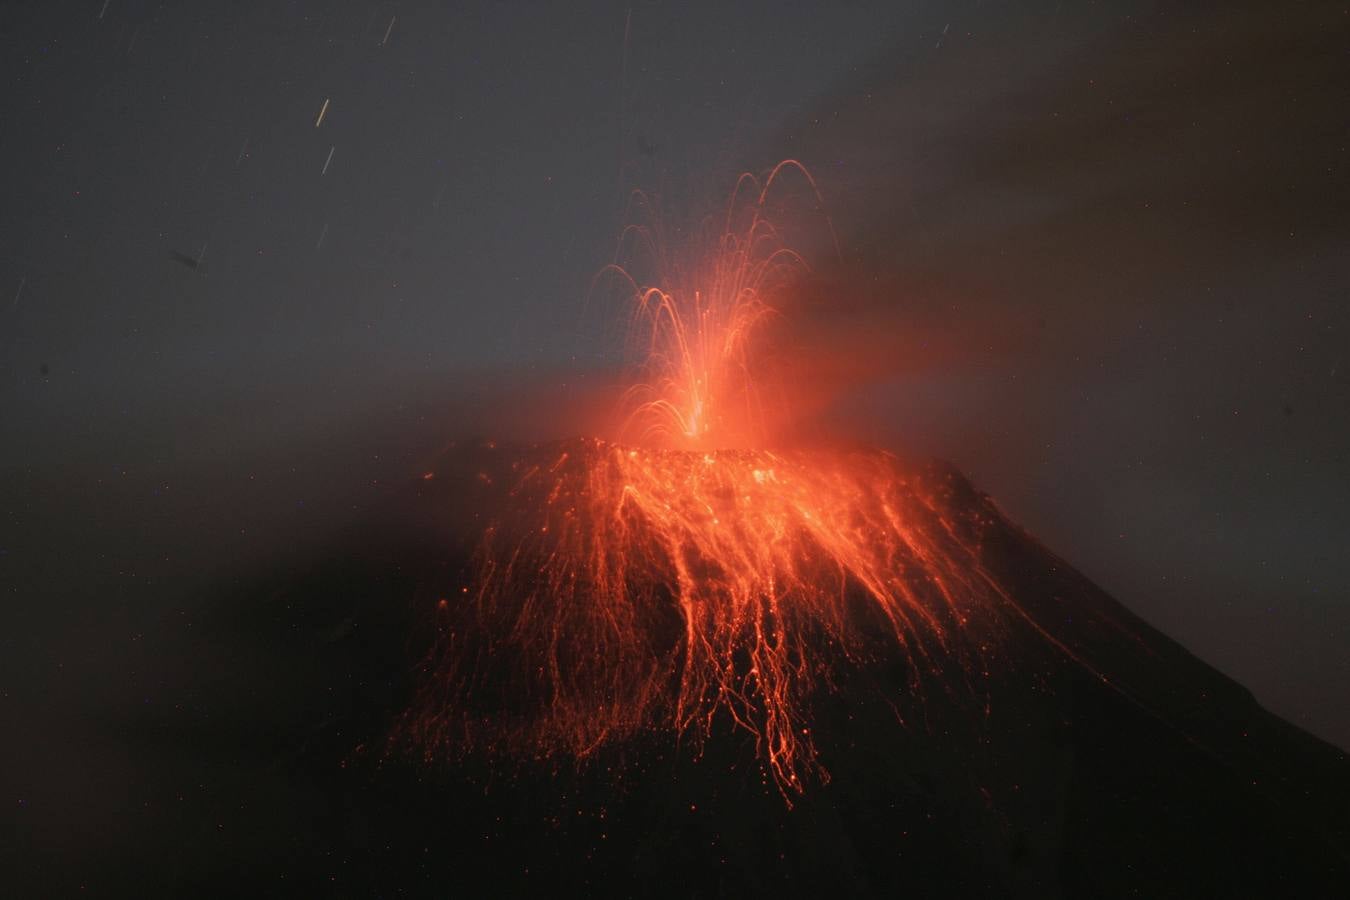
x: 714, y: 621
x: 682, y: 570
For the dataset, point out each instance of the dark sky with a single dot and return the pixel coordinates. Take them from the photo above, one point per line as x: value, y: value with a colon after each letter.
x: 1093, y: 253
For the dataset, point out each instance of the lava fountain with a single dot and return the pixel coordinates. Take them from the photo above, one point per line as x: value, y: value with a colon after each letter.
x: 681, y: 572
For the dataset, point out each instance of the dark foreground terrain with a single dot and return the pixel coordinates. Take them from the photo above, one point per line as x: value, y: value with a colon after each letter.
x: 1094, y: 758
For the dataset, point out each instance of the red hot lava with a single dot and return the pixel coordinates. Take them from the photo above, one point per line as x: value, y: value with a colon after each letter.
x: 683, y: 571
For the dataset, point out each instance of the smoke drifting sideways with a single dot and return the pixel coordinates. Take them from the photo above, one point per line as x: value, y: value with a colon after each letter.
x: 1094, y: 260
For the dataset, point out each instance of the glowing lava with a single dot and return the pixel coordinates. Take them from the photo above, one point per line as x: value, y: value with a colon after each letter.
x: 705, y: 381
x: 683, y: 572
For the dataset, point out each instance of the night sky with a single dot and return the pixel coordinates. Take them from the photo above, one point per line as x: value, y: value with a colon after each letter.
x: 258, y: 260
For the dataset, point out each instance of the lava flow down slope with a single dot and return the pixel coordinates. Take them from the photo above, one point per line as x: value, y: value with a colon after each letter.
x: 688, y: 657
x: 824, y: 626
x: 682, y: 571
x: 628, y: 588
x: 906, y: 691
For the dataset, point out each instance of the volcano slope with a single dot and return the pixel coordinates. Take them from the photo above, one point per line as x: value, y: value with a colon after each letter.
x: 1053, y: 744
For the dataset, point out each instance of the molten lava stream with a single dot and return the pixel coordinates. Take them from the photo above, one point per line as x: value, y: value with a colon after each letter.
x: 668, y: 578
x: 625, y: 588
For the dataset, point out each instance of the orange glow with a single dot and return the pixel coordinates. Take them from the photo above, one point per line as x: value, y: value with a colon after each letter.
x: 685, y: 571
x: 705, y: 376
x: 623, y: 588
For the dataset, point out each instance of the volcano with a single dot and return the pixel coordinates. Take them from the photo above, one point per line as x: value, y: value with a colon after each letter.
x: 696, y: 658
x: 1037, y: 740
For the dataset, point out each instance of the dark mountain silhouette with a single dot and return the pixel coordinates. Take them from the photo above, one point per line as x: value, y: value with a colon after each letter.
x: 1093, y: 757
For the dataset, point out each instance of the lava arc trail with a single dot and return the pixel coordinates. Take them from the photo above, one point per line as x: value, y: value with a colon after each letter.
x: 681, y: 570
